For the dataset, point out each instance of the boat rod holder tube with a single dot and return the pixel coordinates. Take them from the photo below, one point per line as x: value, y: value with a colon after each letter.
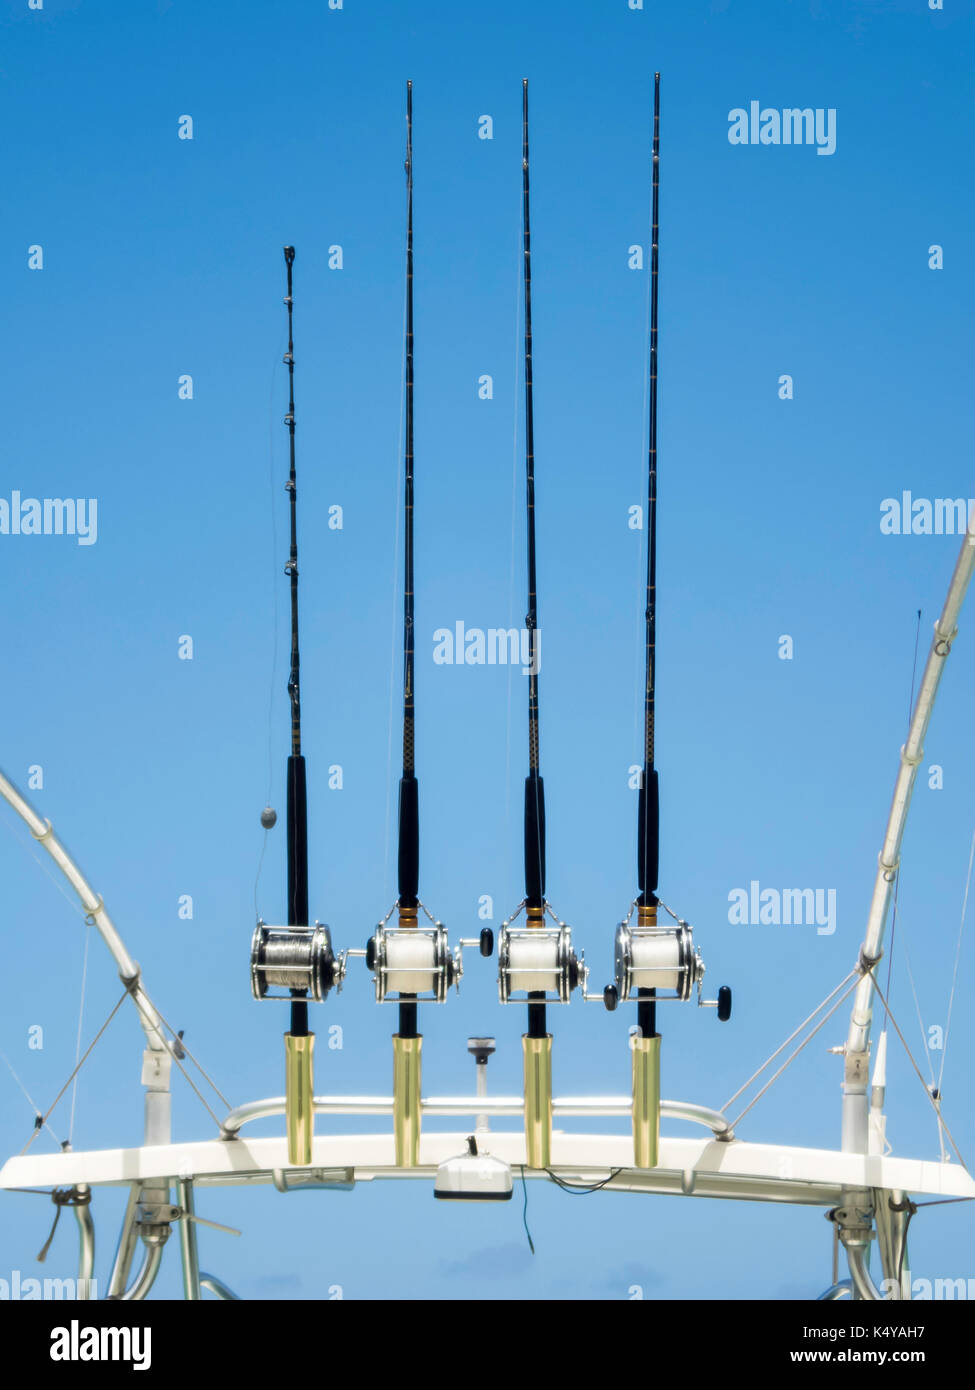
x: 538, y: 1100
x: 856, y: 1135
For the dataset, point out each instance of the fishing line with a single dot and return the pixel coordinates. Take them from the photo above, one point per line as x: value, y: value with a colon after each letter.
x: 275, y: 618
x: 275, y: 601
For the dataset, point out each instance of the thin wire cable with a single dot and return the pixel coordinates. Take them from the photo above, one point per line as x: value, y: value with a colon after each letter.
x: 789, y: 1060
x: 940, y: 1202
x: 781, y: 1048
x: 910, y: 713
x: 935, y: 1104
x: 33, y: 1104
x: 81, y: 1017
x: 88, y: 1051
x: 917, y: 1006
x: 182, y: 1043
x: 954, y: 975
x: 275, y: 599
x: 191, y: 1083
x: 46, y: 868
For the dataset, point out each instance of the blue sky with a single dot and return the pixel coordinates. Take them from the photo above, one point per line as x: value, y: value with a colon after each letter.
x: 162, y: 257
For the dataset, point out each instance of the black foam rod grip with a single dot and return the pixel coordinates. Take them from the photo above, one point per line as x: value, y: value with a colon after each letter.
x: 409, y: 841
x: 534, y: 841
x: 648, y: 836
x: 297, y: 843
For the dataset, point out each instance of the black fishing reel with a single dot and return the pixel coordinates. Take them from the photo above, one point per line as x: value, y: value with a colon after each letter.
x: 537, y: 959
x: 294, y: 959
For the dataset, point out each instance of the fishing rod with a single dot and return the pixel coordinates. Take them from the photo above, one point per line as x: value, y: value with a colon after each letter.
x: 654, y: 963
x: 296, y: 958
x: 535, y: 961
x: 411, y: 962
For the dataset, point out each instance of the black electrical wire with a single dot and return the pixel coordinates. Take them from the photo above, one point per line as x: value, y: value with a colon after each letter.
x: 580, y: 1189
x: 524, y: 1211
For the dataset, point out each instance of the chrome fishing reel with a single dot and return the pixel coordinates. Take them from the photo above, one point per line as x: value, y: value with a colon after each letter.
x: 294, y: 959
x: 537, y: 958
x: 413, y: 962
x: 659, y: 958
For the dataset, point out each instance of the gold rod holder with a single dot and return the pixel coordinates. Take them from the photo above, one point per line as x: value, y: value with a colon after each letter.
x: 646, y: 1100
x: 299, y: 1077
x: 406, y: 1099
x: 538, y: 1100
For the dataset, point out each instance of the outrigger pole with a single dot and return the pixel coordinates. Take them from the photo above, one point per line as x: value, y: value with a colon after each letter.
x: 650, y: 958
x: 297, y: 958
